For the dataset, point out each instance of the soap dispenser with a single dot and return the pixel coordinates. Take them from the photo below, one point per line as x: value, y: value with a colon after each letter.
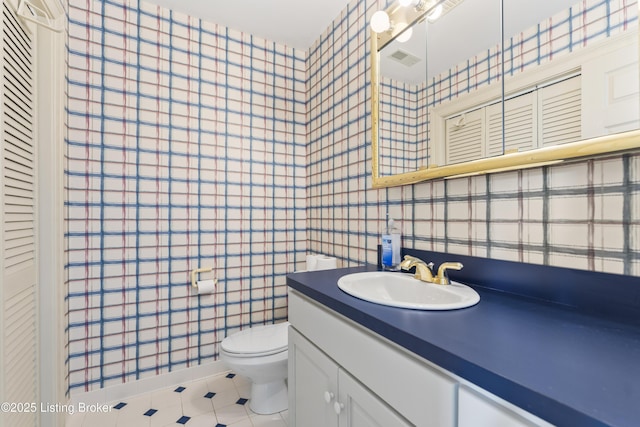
x: 391, y: 247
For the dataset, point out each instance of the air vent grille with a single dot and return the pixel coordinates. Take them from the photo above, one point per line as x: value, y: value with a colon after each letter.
x: 404, y: 58
x: 447, y: 5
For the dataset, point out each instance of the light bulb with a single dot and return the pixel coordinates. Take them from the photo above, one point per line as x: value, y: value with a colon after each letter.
x: 380, y: 21
x: 406, y: 35
x: 435, y: 13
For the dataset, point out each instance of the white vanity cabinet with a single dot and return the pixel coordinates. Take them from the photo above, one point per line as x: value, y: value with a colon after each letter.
x: 368, y: 375
x: 342, y: 374
x: 477, y: 408
x: 312, y: 383
x: 324, y: 395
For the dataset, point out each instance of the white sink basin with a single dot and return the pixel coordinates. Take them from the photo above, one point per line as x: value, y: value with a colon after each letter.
x: 403, y: 290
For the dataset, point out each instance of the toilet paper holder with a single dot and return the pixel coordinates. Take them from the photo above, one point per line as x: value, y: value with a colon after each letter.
x: 195, y: 272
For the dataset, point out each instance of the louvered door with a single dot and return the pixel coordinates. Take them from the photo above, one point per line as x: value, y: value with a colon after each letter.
x: 18, y: 327
x: 520, y: 132
x: 559, y: 112
x: 465, y: 137
x: 543, y: 116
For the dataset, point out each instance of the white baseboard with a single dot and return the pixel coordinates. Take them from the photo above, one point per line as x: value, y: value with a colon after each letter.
x: 120, y: 392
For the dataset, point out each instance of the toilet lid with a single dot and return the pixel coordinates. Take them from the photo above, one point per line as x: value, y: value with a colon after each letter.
x: 258, y: 340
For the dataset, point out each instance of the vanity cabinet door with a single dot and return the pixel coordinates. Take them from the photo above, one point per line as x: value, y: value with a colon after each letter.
x: 358, y: 407
x: 313, y: 384
x: 321, y: 394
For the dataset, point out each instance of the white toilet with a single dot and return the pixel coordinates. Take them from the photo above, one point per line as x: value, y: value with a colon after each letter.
x: 260, y: 354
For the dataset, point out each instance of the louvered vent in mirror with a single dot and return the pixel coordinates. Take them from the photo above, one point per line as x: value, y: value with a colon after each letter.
x: 560, y: 108
x: 544, y: 115
x: 465, y: 135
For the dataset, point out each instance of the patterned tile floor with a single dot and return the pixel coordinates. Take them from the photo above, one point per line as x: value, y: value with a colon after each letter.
x: 218, y: 401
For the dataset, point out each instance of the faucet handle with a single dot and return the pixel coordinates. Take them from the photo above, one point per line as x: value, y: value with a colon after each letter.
x: 442, y: 277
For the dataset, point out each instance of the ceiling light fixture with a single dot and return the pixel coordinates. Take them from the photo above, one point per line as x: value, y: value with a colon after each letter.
x: 405, y: 36
x: 435, y: 13
x: 418, y: 4
x: 380, y: 22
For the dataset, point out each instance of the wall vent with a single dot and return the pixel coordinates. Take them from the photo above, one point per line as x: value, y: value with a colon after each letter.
x: 448, y: 5
x: 404, y: 58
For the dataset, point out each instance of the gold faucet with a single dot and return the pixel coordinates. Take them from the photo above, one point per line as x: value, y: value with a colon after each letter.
x: 443, y: 278
x: 423, y: 270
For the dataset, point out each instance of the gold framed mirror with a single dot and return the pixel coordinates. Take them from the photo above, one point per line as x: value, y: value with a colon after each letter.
x: 454, y: 113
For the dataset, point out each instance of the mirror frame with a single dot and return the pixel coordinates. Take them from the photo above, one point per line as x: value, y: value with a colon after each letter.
x: 614, y: 143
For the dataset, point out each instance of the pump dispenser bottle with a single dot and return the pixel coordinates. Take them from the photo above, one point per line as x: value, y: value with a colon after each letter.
x: 391, y: 247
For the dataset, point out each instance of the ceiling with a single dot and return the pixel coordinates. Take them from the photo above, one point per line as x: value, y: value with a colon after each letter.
x: 295, y: 23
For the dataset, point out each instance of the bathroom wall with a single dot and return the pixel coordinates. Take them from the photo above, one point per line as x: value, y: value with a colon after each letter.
x: 343, y: 211
x: 401, y: 133
x: 190, y: 144
x: 583, y: 214
x: 185, y: 148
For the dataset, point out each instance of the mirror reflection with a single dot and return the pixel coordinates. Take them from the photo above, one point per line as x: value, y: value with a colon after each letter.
x: 571, y: 73
x: 403, y: 103
x: 460, y: 66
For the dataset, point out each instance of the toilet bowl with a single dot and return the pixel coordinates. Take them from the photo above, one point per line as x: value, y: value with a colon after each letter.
x: 260, y: 354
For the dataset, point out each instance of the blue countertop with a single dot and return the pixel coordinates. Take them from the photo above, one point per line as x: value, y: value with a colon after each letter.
x: 563, y: 365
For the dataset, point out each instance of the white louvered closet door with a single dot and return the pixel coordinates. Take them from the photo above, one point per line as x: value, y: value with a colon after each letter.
x: 519, y: 125
x: 559, y: 112
x: 465, y: 137
x: 18, y: 320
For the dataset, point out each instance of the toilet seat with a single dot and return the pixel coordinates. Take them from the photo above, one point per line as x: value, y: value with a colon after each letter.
x: 257, y: 341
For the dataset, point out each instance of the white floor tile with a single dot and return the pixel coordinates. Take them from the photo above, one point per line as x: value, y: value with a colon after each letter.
x: 274, y: 420
x: 138, y: 404
x: 244, y: 390
x: 285, y: 416
x: 74, y: 420
x: 204, y: 420
x: 100, y: 419
x: 231, y: 414
x: 195, y: 388
x: 133, y: 419
x: 170, y: 406
x: 221, y: 383
x: 166, y: 415
x: 196, y: 405
x: 241, y: 382
x: 225, y: 398
x: 165, y: 398
x: 243, y: 423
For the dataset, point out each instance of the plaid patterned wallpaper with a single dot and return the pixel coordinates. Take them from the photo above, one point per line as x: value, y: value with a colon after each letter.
x: 582, y: 215
x: 190, y: 144
x: 401, y: 130
x: 186, y: 148
x: 587, y: 22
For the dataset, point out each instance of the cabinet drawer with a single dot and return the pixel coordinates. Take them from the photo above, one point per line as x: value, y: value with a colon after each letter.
x: 417, y: 391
